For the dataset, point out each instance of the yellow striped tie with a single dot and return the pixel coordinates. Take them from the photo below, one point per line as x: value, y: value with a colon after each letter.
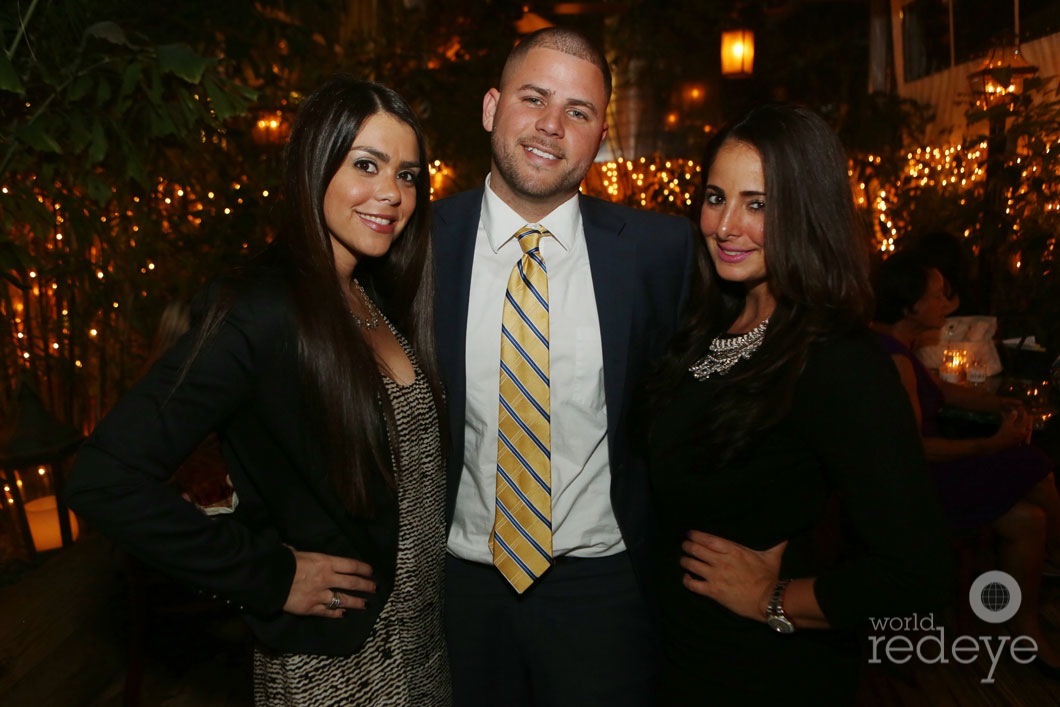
x: 521, y: 541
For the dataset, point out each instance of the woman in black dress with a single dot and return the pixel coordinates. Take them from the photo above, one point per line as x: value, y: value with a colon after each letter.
x: 772, y: 404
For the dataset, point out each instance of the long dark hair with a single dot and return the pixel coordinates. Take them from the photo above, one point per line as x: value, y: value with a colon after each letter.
x: 817, y: 270
x: 344, y: 387
x: 899, y: 282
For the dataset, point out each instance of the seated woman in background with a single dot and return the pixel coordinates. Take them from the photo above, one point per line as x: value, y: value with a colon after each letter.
x: 773, y: 400
x: 1000, y: 480
x: 947, y: 253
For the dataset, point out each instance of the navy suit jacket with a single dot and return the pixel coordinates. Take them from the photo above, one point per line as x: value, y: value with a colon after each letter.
x: 641, y: 264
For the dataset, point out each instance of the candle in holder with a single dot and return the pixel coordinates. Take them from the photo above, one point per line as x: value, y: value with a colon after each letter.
x: 954, y: 363
x: 43, y: 520
x: 976, y: 372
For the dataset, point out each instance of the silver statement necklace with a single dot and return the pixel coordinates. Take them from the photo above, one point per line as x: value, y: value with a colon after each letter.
x: 375, y: 316
x: 725, y: 351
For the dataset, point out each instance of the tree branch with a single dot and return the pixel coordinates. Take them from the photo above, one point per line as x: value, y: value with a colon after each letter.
x: 21, y: 29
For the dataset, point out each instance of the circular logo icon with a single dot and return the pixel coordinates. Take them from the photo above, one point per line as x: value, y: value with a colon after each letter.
x: 995, y: 596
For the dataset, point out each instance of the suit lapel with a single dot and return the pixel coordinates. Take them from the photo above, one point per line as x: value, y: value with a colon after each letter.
x: 611, y: 261
x: 455, y: 228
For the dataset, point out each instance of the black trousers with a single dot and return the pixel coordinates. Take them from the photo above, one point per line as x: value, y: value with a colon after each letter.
x: 581, y: 636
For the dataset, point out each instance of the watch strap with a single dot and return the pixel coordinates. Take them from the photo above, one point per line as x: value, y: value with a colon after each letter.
x: 775, y: 616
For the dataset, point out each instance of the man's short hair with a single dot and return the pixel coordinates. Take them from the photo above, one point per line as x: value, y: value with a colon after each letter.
x: 561, y: 39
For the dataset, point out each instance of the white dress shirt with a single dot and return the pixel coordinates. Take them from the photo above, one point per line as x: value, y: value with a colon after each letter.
x: 583, y: 522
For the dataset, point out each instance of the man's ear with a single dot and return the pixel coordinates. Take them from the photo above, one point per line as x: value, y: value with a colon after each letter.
x: 489, y: 108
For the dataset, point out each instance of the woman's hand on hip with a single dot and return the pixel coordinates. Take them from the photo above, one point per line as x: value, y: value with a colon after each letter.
x: 322, y: 584
x: 737, y: 577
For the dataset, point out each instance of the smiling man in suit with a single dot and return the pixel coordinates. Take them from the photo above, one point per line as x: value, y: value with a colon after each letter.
x: 549, y: 305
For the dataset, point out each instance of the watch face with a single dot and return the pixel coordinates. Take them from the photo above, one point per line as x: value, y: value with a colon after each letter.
x: 780, y: 624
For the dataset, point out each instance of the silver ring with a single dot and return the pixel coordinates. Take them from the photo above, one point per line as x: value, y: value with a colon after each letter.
x: 335, y: 601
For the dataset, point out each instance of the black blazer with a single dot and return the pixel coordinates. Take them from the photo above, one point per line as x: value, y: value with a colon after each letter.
x: 244, y: 384
x: 641, y: 265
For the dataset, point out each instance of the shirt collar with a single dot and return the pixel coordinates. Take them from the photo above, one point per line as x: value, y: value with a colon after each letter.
x: 501, y: 222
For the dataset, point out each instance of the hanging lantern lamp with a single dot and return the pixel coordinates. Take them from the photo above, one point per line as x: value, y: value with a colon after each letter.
x: 737, y: 53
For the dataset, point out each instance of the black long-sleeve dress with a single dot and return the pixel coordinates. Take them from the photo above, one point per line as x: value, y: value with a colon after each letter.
x: 850, y: 434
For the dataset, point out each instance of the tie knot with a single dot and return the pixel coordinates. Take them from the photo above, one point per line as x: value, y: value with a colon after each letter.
x: 529, y: 237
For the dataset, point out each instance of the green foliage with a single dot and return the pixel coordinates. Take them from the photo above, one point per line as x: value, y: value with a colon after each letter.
x: 129, y: 167
x: 9, y: 80
x: 1006, y: 209
x: 98, y: 120
x: 1022, y: 219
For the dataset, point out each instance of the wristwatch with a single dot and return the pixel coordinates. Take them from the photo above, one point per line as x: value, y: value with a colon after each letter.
x: 775, y: 616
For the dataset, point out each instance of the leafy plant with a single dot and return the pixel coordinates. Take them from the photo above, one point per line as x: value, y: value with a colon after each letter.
x: 1000, y: 191
x: 111, y: 141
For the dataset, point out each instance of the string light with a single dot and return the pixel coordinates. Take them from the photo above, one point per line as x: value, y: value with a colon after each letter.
x: 49, y: 330
x: 649, y: 183
x: 169, y: 210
